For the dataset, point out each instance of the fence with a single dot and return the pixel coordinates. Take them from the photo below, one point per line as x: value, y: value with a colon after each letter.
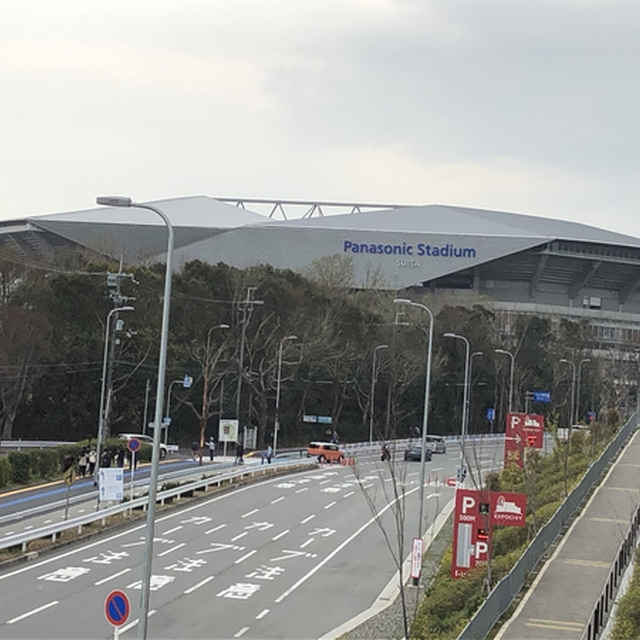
x: 508, y: 588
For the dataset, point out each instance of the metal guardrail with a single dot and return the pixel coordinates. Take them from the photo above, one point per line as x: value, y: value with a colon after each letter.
x: 503, y: 594
x: 53, y: 530
x: 18, y: 445
x: 606, y: 600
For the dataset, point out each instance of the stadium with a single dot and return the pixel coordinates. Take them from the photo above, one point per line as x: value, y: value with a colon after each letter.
x: 512, y: 262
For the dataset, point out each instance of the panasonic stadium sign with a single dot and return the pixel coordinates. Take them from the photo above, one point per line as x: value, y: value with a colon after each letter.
x: 446, y: 250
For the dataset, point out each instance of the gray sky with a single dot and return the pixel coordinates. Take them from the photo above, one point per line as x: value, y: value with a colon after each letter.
x: 530, y: 106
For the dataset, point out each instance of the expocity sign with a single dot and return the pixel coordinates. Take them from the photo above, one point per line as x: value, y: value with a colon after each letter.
x: 408, y: 251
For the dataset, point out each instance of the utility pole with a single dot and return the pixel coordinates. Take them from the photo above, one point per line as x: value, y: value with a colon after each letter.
x: 247, y: 308
x: 146, y: 406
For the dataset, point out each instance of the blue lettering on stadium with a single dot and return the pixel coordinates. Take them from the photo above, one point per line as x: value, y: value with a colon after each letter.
x: 431, y: 250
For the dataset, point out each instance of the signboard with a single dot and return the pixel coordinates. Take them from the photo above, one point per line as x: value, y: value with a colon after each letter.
x: 133, y: 445
x: 111, y: 484
x: 522, y: 430
x: 325, y: 419
x: 69, y: 476
x: 416, y: 558
x: 117, y: 608
x: 309, y: 418
x: 476, y: 512
x: 541, y: 396
x: 228, y: 431
x: 468, y: 549
x: 491, y: 414
x: 508, y: 509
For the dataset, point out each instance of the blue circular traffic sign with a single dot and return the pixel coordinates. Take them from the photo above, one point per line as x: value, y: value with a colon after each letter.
x: 117, y: 608
x: 133, y: 445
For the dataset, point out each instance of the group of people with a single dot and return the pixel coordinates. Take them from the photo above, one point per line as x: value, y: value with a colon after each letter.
x: 87, y: 461
x: 210, y: 444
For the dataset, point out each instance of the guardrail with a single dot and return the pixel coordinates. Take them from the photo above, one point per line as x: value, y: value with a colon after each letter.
x: 54, y: 530
x: 602, y: 607
x: 503, y: 594
x: 18, y: 445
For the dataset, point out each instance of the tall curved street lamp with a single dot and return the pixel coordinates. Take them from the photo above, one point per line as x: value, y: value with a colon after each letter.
x: 471, y: 357
x: 123, y: 201
x: 276, y: 425
x: 513, y: 360
x: 465, y: 401
x: 186, y: 382
x: 583, y: 361
x: 373, y: 388
x: 103, y: 388
x: 425, y: 413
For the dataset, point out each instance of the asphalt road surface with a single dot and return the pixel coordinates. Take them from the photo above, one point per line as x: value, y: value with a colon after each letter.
x: 291, y: 557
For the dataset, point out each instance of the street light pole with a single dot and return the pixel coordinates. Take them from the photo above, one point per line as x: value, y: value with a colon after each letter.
x: 465, y: 401
x: 276, y: 425
x: 120, y: 201
x: 103, y: 387
x: 186, y: 383
x: 583, y: 361
x: 573, y: 392
x: 473, y: 355
x: 513, y: 360
x: 373, y: 388
x: 425, y: 414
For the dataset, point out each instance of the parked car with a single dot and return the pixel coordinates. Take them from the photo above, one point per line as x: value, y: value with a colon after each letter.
x: 144, y: 439
x: 436, y: 444
x: 414, y: 452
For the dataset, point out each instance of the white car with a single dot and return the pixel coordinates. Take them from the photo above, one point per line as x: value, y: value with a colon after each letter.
x: 164, y: 448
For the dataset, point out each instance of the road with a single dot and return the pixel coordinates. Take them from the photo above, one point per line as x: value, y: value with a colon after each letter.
x: 291, y: 557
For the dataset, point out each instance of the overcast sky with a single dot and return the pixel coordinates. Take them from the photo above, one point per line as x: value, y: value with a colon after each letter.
x: 529, y: 107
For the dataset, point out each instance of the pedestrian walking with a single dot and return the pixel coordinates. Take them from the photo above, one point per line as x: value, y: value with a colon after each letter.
x: 212, y: 448
x: 92, y: 461
x: 120, y: 457
x: 195, y: 447
x: 239, y: 454
x: 269, y: 454
x: 83, y: 462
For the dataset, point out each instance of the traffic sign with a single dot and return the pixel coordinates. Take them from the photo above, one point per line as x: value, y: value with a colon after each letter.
x: 541, y: 396
x: 416, y: 558
x: 69, y: 476
x: 491, y: 414
x: 117, y: 608
x: 133, y: 445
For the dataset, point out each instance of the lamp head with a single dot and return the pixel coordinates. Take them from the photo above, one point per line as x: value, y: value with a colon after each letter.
x: 450, y: 335
x: 114, y: 201
x: 402, y: 301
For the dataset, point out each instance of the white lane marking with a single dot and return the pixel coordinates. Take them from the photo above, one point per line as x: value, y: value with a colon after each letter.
x: 241, y: 535
x: 437, y: 469
x: 48, y: 521
x: 307, y: 543
x: 178, y: 546
x: 133, y: 623
x: 339, y: 548
x: 29, y: 527
x: 277, y: 500
x: 10, y: 533
x: 115, y: 575
x: 34, y: 611
x: 245, y: 556
x: 241, y: 632
x: 250, y: 513
x: 220, y: 526
x: 346, y: 495
x: 311, y: 517
x: 81, y: 510
x: 330, y: 505
x: 262, y: 614
x: 324, y: 482
x: 166, y: 533
x: 303, y: 489
x: 284, y: 533
x: 197, y: 586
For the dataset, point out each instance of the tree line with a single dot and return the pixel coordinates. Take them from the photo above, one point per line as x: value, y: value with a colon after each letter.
x: 52, y: 335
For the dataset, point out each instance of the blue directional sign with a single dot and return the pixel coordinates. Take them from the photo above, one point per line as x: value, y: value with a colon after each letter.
x: 491, y: 414
x: 117, y: 608
x: 541, y: 396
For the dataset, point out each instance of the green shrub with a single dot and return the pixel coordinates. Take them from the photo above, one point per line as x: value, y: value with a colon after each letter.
x: 627, y: 619
x: 5, y: 472
x: 20, y: 467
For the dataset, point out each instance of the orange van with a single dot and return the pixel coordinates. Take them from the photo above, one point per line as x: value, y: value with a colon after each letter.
x: 325, y: 452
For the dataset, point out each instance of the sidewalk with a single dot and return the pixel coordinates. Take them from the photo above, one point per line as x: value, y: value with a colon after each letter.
x: 561, y: 599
